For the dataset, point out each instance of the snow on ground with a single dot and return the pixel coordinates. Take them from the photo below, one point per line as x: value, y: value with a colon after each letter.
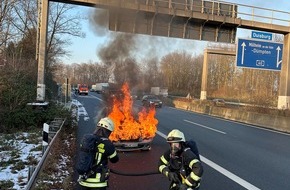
x: 16, y: 155
x: 81, y: 111
x: 20, y: 151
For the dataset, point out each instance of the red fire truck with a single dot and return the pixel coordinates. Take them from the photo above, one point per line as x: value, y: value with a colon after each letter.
x: 83, y: 89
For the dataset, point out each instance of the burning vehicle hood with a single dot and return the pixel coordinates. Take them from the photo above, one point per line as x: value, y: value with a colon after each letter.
x: 131, y: 130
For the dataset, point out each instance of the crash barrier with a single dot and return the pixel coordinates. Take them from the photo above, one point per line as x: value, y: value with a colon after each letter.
x: 269, y: 121
x: 52, y: 134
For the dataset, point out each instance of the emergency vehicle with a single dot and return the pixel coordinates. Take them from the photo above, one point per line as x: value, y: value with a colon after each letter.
x: 83, y: 89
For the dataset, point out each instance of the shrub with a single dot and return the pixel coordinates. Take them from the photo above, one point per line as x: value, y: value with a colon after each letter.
x: 6, y: 184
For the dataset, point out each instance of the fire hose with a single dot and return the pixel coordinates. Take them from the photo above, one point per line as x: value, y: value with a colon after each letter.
x: 137, y: 174
x: 134, y: 174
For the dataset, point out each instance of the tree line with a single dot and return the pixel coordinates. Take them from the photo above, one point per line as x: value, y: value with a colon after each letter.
x: 181, y: 73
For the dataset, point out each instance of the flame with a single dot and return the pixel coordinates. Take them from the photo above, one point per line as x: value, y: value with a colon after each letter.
x: 126, y: 126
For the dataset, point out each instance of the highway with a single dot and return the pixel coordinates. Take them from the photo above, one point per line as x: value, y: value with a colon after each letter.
x: 235, y: 156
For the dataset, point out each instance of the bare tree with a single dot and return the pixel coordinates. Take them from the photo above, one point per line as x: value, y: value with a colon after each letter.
x: 24, y: 17
x: 5, y: 22
x: 19, y: 18
x: 151, y: 73
x: 62, y: 25
x: 181, y: 72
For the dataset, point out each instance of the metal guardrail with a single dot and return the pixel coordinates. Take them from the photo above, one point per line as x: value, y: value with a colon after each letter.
x: 39, y: 166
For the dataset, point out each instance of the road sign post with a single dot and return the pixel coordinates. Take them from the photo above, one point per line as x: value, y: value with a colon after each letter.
x: 259, y: 54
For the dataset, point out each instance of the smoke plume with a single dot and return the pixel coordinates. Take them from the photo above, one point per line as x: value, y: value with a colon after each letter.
x: 120, y: 47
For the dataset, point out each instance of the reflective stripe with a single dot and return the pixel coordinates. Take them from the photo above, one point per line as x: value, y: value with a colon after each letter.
x: 101, y: 147
x: 164, y: 160
x: 193, y: 162
x: 161, y: 168
x: 94, y: 180
x: 194, y: 177
x: 187, y: 182
x: 190, y: 184
x: 98, y: 158
x: 86, y: 184
x: 197, y: 185
x: 113, y: 155
x: 100, y: 152
x: 166, y: 173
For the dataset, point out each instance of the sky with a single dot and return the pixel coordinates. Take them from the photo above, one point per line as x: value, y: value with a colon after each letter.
x: 86, y: 49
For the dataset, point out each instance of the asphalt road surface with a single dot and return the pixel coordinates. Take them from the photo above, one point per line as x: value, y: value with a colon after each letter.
x: 235, y: 156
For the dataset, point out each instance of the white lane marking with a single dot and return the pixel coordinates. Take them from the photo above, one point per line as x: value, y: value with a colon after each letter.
x: 229, y: 174
x: 161, y: 134
x: 92, y: 96
x: 223, y: 171
x: 237, y: 122
x: 98, y: 98
x: 205, y: 126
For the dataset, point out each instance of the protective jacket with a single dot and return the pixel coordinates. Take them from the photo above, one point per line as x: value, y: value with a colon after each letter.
x: 186, y: 165
x: 100, y: 174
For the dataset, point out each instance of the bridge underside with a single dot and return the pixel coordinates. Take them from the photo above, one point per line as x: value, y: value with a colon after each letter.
x: 195, y: 19
x: 155, y: 24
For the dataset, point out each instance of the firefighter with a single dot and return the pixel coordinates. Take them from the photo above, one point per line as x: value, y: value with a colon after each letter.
x: 99, y: 179
x: 179, y: 164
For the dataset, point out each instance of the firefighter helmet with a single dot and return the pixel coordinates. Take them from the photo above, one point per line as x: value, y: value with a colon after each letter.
x: 175, y: 136
x: 106, y: 123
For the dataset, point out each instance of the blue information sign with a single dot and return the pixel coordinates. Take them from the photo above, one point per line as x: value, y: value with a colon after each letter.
x: 259, y: 54
x: 262, y: 35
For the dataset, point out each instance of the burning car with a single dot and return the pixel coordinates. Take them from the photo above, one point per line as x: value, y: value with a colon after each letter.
x: 132, y: 131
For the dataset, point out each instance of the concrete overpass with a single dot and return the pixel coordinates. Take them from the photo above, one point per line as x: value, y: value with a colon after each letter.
x: 189, y: 19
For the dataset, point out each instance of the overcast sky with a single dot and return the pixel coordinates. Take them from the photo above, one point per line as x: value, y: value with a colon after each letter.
x: 85, y: 49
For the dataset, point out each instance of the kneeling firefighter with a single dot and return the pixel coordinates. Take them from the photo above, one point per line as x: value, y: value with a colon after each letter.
x: 98, y: 179
x: 179, y: 164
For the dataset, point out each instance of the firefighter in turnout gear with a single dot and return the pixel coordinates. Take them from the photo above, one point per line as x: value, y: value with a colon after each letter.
x: 98, y: 180
x: 179, y: 164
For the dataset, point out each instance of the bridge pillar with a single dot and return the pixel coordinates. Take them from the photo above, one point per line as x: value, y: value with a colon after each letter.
x: 203, y: 94
x: 204, y: 75
x: 42, y: 50
x: 284, y: 87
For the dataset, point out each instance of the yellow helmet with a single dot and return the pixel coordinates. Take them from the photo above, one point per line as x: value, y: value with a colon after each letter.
x: 175, y: 136
x: 106, y: 123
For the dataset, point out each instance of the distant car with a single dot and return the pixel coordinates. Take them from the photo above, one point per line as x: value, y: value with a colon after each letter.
x: 219, y: 102
x: 151, y: 100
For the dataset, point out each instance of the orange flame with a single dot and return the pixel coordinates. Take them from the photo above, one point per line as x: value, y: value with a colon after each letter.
x: 126, y: 126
